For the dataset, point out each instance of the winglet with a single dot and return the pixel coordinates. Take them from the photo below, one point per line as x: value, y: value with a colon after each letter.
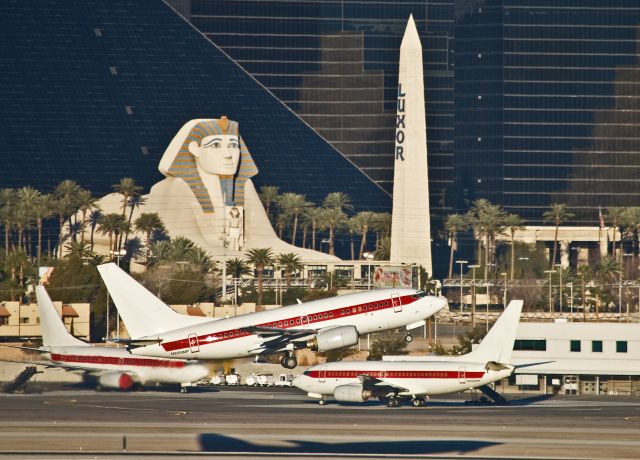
x: 54, y: 333
x: 497, y: 345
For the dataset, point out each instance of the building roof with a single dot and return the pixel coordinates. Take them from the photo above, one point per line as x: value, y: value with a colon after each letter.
x: 69, y: 312
x: 194, y: 310
x: 4, y: 311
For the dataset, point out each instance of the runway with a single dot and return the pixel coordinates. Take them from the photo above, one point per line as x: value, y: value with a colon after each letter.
x: 276, y: 423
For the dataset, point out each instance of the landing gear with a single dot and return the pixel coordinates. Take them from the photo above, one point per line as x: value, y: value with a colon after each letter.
x: 393, y: 402
x: 322, y: 401
x: 289, y: 361
x: 418, y: 402
x: 408, y: 338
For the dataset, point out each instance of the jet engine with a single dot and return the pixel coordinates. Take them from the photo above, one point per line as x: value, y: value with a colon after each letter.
x: 337, y: 337
x: 354, y: 392
x: 115, y: 380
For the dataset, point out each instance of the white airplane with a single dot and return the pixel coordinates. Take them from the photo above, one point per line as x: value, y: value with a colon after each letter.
x: 113, y: 368
x: 327, y: 324
x: 413, y: 379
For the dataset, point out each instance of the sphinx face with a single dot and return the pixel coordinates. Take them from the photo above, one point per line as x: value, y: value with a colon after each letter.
x: 218, y: 154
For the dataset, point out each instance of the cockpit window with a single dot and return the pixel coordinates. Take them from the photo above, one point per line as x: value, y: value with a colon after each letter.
x: 419, y: 295
x: 307, y: 372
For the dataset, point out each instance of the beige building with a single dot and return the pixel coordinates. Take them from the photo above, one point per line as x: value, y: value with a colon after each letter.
x: 22, y: 321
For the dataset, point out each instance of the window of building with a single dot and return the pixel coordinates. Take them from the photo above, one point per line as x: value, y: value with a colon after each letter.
x: 113, y: 70
x: 596, y: 346
x: 24, y: 320
x: 621, y: 346
x: 4, y: 320
x: 530, y: 345
x: 128, y: 109
x: 575, y: 345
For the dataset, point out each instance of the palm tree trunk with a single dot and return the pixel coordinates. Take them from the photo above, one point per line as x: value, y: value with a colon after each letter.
x: 314, y: 229
x: 19, y: 237
x: 61, y: 222
x: 7, y: 230
x: 126, y: 235
x: 331, y: 239
x: 259, y: 287
x: 353, y: 248
x: 39, y: 252
x: 305, y: 232
x: 84, y: 223
x: 486, y: 257
x: 555, y: 247
x: 451, y: 259
x: 295, y: 229
x: 93, y: 230
x: 363, y: 243
x: 513, y: 252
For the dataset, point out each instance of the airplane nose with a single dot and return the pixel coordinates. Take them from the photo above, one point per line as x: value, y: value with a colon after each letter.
x: 442, y: 303
x: 300, y: 382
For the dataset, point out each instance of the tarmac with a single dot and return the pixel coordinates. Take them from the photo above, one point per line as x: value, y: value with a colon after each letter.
x: 67, y: 421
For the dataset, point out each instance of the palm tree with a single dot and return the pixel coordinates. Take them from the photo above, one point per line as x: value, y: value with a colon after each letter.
x: 147, y: 223
x: 352, y: 228
x: 631, y: 222
x: 364, y: 220
x: 63, y: 206
x: 201, y: 260
x: 615, y: 215
x: 314, y: 215
x: 268, y: 196
x: 488, y: 220
x: 292, y: 204
x: 237, y: 267
x: 334, y: 219
x: 134, y: 202
x: 382, y: 226
x: 127, y: 188
x: 94, y: 218
x: 181, y: 249
x: 291, y: 263
x: 78, y: 250
x: 85, y: 202
x: 260, y: 258
x: 607, y: 270
x: 41, y: 211
x: 454, y: 224
x: 513, y: 223
x: 338, y: 201
x: 111, y: 224
x: 557, y: 214
x: 7, y: 205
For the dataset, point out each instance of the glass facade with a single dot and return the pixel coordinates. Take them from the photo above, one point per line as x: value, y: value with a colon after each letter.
x: 335, y: 63
x: 547, y: 105
x: 95, y: 91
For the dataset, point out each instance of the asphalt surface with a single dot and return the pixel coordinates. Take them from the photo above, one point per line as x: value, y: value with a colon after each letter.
x: 70, y: 422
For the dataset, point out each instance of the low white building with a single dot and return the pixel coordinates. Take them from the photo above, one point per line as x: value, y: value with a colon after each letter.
x: 578, y: 358
x: 18, y: 322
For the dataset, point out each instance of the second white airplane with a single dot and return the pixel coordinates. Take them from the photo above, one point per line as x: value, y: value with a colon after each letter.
x: 417, y: 378
x: 322, y: 325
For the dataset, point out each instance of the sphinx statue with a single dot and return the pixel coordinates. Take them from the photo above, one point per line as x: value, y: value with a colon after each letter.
x: 208, y: 196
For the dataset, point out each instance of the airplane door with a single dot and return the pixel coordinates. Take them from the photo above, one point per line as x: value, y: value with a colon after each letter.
x: 194, y: 345
x: 462, y: 375
x: 396, y: 303
x: 322, y: 374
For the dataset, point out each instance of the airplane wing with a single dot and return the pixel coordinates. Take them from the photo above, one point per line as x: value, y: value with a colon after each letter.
x: 37, y: 350
x: 273, y: 331
x: 378, y: 387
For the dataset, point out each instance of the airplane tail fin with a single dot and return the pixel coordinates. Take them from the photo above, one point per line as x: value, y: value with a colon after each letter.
x: 142, y: 312
x: 497, y: 345
x: 54, y: 333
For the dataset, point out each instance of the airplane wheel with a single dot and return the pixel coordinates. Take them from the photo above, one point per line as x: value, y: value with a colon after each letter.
x: 408, y: 338
x: 417, y: 402
x: 289, y: 362
x: 393, y: 402
x: 322, y: 401
x: 183, y: 389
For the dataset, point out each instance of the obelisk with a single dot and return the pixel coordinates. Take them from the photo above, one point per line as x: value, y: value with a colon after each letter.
x: 410, y: 225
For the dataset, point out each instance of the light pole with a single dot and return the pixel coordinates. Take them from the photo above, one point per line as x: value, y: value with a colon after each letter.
x: 461, y: 262
x: 550, y: 272
x: 559, y: 267
x: 473, y: 294
x: 323, y: 241
x: 118, y: 255
x: 570, y: 284
x: 369, y: 257
x: 504, y: 291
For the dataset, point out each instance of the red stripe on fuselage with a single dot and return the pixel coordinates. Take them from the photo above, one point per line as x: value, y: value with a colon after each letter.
x: 117, y: 361
x: 290, y: 322
x: 381, y: 374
